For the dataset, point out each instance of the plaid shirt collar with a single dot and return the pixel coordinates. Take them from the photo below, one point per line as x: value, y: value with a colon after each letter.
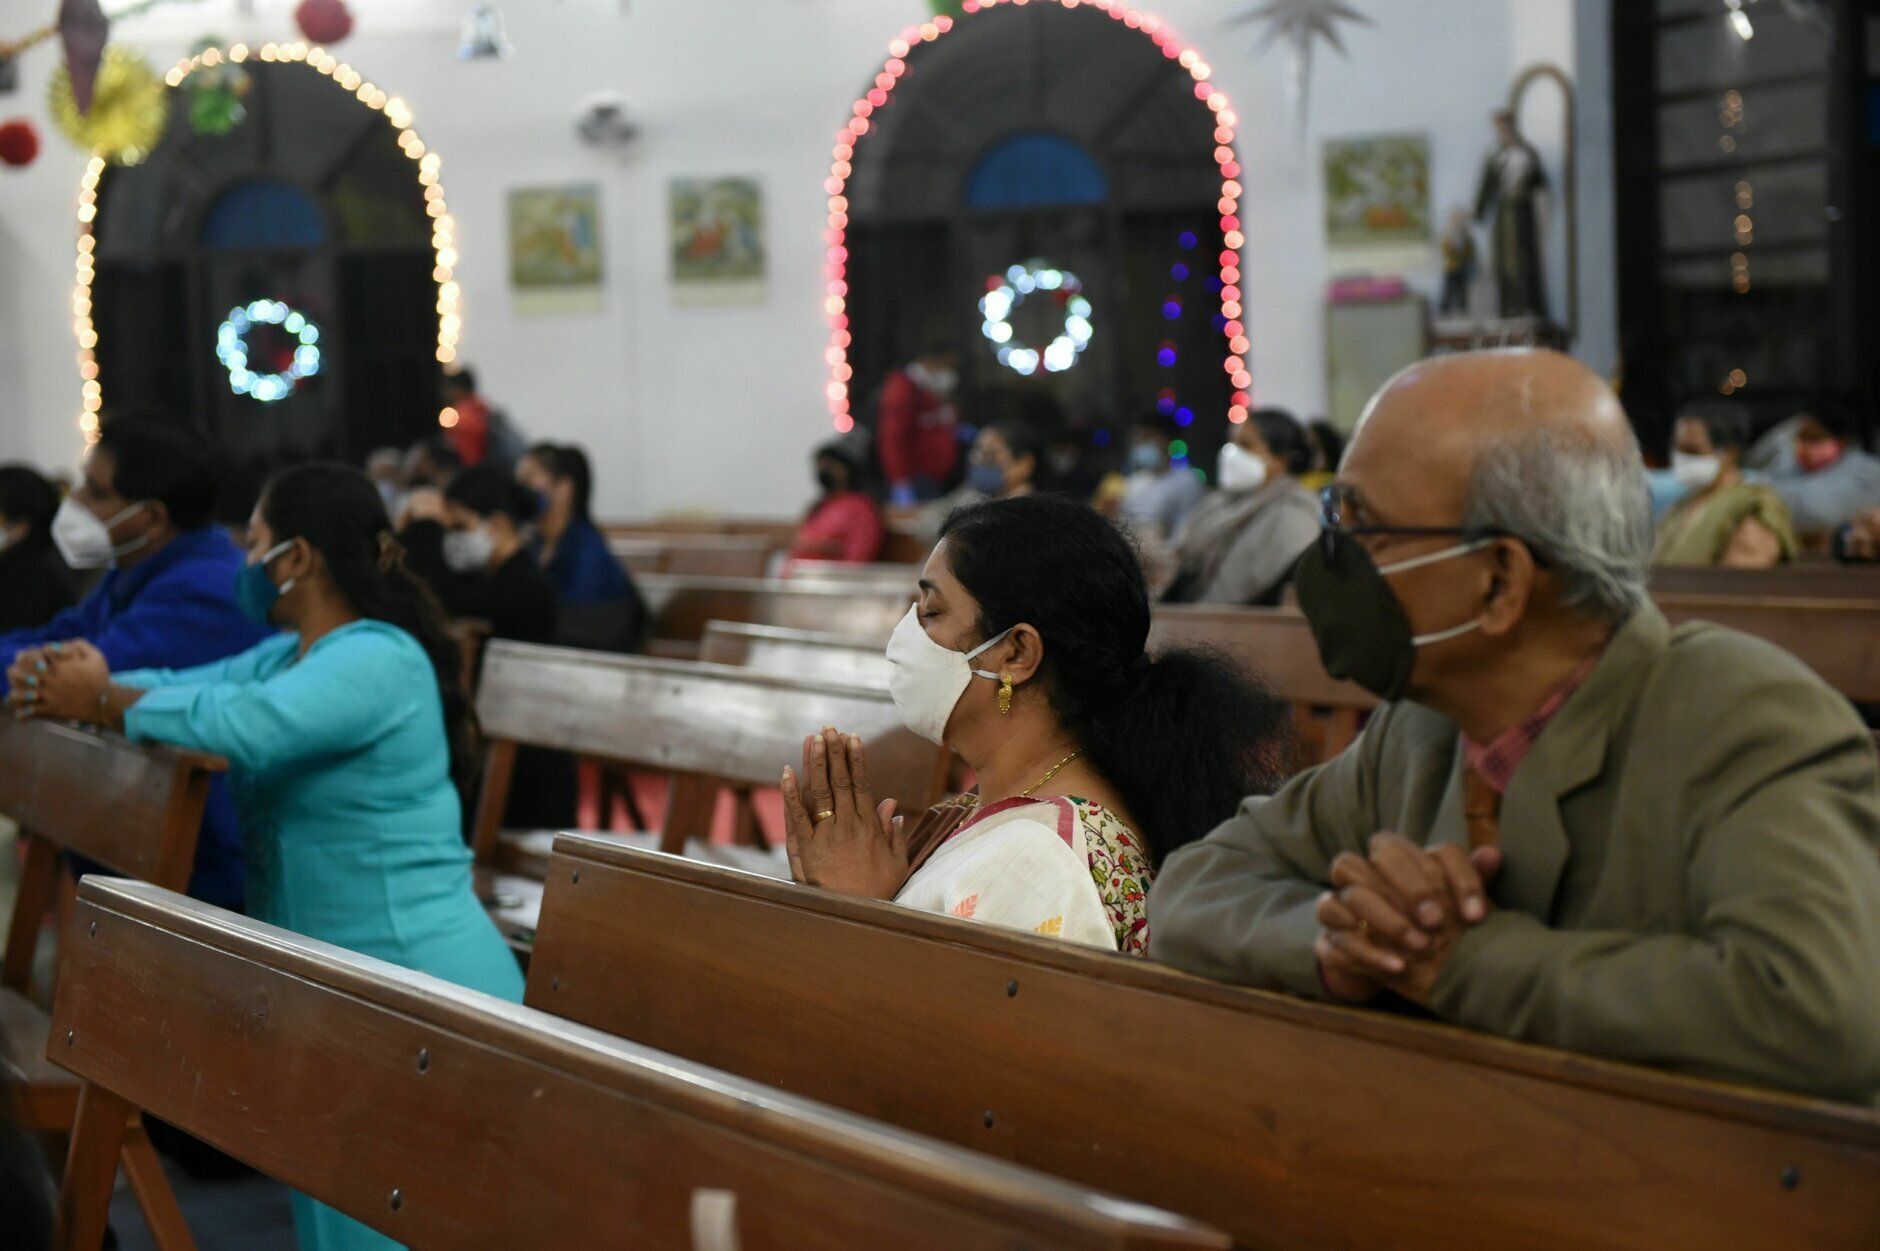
x: 1497, y: 761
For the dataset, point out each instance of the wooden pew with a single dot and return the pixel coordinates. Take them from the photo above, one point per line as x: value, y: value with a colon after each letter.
x: 801, y: 654
x: 711, y: 556
x: 1278, y: 644
x: 470, y: 634
x: 1837, y: 638
x: 136, y: 810
x: 708, y: 726
x: 680, y: 607
x: 887, y: 577
x: 445, y: 1118
x: 1290, y: 1124
x: 1810, y: 580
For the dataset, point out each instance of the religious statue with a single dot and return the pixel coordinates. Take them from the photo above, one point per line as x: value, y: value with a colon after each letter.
x: 1512, y: 181
x: 1459, y: 261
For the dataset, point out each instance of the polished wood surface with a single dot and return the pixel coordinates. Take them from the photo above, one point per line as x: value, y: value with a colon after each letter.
x: 1803, y: 580
x: 713, y: 556
x: 795, y: 653
x: 713, y: 721
x: 448, y: 1119
x: 1290, y: 1124
x: 679, y: 608
x: 134, y: 809
x: 891, y: 577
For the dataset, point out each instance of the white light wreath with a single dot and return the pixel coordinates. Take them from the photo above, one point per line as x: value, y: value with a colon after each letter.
x: 231, y: 347
x: 1004, y: 293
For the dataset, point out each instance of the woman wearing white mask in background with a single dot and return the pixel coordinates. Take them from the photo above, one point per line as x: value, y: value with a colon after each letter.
x: 1240, y: 544
x: 1724, y: 521
x: 1025, y: 654
x: 494, y: 578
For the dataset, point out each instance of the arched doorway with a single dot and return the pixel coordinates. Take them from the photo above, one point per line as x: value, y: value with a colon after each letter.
x: 286, y: 286
x: 998, y: 153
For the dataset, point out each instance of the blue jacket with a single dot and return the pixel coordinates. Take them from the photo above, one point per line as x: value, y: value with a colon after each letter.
x: 175, y: 610
x: 584, y: 571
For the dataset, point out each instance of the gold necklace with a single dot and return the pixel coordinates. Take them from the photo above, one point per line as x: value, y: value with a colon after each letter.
x: 1055, y: 770
x: 973, y: 801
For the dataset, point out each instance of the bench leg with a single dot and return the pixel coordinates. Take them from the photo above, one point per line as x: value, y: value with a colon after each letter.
x: 152, y: 1188
x: 35, y: 899
x: 91, y: 1166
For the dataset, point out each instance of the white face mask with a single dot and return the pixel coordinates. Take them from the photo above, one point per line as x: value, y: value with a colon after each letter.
x: 1695, y: 473
x: 1435, y: 558
x: 1239, y: 469
x: 926, y: 679
x: 940, y: 381
x: 467, y: 551
x: 84, y: 542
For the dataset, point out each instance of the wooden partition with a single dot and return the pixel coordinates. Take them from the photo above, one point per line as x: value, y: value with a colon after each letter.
x: 444, y: 1118
x: 1808, y: 580
x: 680, y: 607
x: 1290, y: 1124
x: 134, y: 809
x: 708, y: 726
x: 712, y: 556
x: 1837, y: 638
x: 795, y: 653
x: 886, y: 577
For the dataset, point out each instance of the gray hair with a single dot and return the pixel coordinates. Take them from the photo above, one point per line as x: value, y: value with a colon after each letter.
x: 1581, y: 499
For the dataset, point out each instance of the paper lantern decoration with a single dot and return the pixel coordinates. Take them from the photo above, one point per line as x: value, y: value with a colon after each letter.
x: 324, y: 21
x: 19, y: 143
x: 128, y: 109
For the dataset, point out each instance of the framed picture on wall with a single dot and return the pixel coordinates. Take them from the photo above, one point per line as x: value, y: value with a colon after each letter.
x: 718, y: 252
x: 1377, y: 204
x: 555, y: 259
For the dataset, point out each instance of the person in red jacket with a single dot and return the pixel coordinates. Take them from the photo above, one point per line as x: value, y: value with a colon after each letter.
x: 844, y: 524
x: 469, y: 433
x: 918, y: 428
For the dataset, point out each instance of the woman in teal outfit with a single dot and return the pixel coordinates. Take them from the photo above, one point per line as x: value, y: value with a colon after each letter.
x: 348, y: 741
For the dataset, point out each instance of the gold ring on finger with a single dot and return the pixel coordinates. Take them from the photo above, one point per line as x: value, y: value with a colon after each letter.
x: 824, y: 816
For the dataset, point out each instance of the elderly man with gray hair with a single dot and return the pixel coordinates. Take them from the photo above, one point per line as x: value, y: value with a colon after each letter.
x: 1569, y: 823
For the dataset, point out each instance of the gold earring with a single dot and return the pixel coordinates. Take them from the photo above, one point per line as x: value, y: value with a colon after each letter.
x: 1005, y: 694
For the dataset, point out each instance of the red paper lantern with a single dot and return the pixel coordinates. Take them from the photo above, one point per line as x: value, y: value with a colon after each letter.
x: 324, y: 21
x: 19, y: 142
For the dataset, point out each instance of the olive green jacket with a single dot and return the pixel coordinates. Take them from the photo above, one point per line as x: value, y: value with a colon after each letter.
x: 1691, y: 874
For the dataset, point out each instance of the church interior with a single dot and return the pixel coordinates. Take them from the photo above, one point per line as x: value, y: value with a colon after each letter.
x: 939, y: 624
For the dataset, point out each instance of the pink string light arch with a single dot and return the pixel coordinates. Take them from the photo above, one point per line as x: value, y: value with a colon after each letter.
x: 835, y: 297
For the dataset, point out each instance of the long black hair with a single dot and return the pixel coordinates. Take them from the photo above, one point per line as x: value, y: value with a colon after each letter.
x: 26, y: 496
x: 338, y: 511
x: 568, y: 461
x: 1183, y: 736
x: 486, y: 490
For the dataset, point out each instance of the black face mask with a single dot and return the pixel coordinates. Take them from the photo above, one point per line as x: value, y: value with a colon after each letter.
x: 828, y: 481
x: 1357, y: 620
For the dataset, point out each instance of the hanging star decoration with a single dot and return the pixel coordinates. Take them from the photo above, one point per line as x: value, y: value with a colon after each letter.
x: 1299, y: 24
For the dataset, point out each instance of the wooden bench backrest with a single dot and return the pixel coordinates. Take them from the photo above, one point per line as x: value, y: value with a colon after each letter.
x: 888, y: 577
x: 1287, y: 1123
x: 711, y: 556
x: 446, y: 1118
x: 734, y: 725
x: 132, y: 808
x: 679, y: 607
x: 1810, y: 580
x: 1837, y: 638
x: 795, y: 653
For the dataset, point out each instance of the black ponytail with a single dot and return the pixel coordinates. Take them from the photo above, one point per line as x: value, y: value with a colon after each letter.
x: 1185, y: 736
x: 338, y: 511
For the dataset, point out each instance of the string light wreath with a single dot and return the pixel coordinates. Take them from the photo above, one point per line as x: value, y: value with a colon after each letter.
x: 231, y: 346
x: 1006, y: 292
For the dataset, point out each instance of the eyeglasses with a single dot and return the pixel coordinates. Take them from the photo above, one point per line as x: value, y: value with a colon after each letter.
x: 1336, y: 499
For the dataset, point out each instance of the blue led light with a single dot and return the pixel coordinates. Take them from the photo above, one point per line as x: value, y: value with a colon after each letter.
x: 1172, y: 310
x: 231, y: 348
x: 1187, y: 240
x: 1179, y: 272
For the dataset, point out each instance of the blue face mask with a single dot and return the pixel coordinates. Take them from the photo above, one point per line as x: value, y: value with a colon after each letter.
x: 1147, y: 458
x: 986, y: 479
x: 255, y: 592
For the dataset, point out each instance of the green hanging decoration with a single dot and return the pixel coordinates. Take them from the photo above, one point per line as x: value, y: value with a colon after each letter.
x: 947, y: 8
x: 215, y: 93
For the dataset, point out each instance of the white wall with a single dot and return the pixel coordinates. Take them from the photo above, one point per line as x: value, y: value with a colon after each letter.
x: 687, y: 408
